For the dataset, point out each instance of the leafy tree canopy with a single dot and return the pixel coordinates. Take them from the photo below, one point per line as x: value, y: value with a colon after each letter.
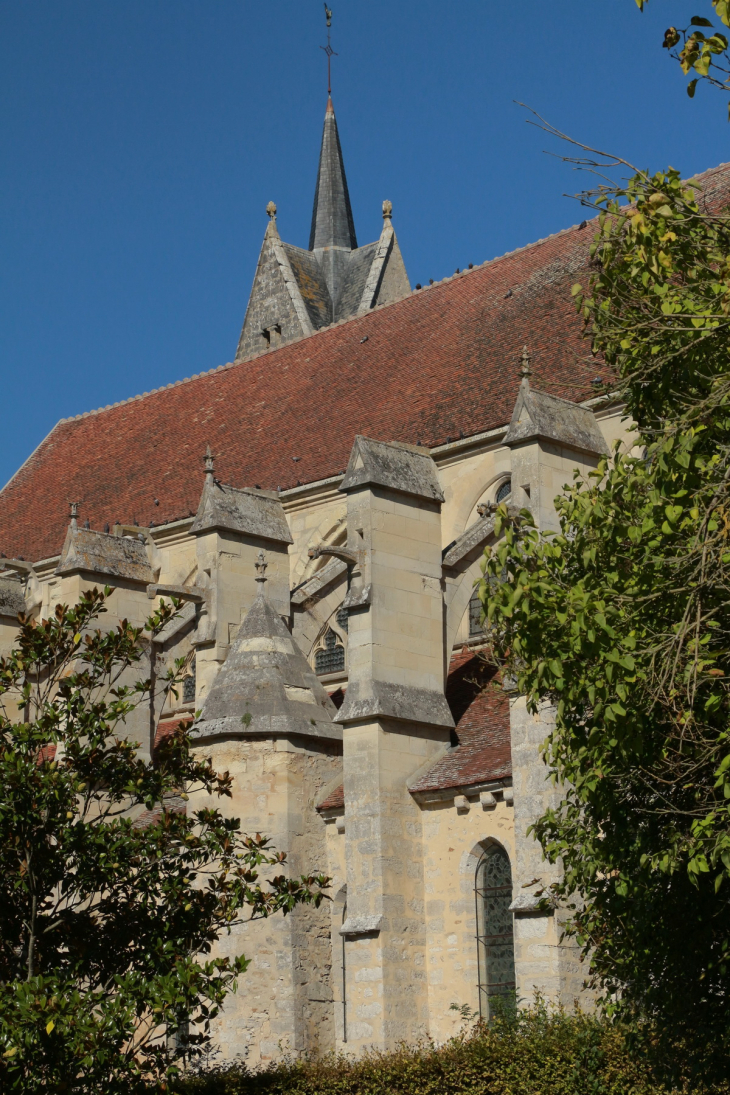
x: 621, y: 620
x: 702, y: 56
x: 111, y: 895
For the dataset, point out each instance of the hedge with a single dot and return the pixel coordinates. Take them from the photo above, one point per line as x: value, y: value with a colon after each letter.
x: 537, y: 1052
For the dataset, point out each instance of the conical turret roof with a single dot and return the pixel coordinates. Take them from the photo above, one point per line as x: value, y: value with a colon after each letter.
x: 266, y: 687
x: 332, y: 221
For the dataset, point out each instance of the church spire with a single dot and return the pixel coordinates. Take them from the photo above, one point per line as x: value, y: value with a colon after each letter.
x: 332, y: 222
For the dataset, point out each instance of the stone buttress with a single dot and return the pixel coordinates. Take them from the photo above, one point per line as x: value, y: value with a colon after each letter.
x: 395, y: 718
x: 549, y: 439
x: 269, y: 721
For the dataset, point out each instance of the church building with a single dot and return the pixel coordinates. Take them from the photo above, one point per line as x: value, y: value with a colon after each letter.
x: 321, y: 505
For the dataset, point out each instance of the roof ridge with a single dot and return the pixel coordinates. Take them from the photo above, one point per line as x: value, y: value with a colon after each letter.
x: 321, y: 330
x: 350, y: 319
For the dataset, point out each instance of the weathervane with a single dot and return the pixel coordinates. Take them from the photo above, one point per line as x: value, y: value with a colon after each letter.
x: 328, y: 49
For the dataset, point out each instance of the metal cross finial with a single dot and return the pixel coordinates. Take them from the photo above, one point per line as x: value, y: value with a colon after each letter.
x: 525, y: 362
x: 74, y: 513
x: 209, y: 464
x: 261, y: 566
x: 328, y: 49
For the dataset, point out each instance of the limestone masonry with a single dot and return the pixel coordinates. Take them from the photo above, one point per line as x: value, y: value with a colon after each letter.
x: 360, y: 441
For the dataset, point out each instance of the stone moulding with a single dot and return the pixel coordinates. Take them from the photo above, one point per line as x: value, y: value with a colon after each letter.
x: 288, y: 725
x: 383, y: 699
x: 359, y: 598
x: 527, y: 904
x: 362, y: 925
x: 487, y: 788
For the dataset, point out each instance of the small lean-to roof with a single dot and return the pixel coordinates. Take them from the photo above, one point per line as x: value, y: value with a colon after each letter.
x: 438, y: 363
x: 481, y: 712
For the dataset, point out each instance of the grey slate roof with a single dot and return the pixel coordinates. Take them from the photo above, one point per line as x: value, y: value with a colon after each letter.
x: 355, y: 276
x: 332, y: 221
x: 312, y: 285
x: 266, y: 687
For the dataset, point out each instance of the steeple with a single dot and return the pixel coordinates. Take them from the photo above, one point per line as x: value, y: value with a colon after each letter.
x: 332, y: 222
x: 297, y: 292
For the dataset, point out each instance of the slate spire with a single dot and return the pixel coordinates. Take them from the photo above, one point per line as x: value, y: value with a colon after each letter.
x: 332, y: 222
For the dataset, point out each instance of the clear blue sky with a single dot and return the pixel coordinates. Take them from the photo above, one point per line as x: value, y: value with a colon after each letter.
x: 142, y: 140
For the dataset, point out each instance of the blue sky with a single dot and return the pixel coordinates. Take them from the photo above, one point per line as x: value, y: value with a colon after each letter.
x: 142, y: 141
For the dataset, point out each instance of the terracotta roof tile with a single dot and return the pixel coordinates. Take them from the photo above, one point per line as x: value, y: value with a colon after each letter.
x: 334, y: 801
x: 438, y: 362
x: 481, y: 713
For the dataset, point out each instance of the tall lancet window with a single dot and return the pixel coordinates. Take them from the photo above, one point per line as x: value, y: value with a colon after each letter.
x: 476, y: 627
x: 189, y: 683
x: 495, y: 935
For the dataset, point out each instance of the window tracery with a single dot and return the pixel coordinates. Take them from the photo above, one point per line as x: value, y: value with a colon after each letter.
x: 503, y: 491
x: 330, y: 658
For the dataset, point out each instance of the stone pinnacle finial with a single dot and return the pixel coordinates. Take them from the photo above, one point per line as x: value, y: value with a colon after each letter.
x: 209, y: 463
x: 387, y: 210
x: 525, y: 368
x: 271, y: 210
x: 74, y: 513
x: 261, y: 566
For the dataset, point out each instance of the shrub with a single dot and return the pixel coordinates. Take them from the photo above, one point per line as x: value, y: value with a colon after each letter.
x: 536, y: 1052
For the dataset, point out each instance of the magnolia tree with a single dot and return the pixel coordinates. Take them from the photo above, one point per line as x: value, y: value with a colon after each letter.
x: 108, y: 919
x: 621, y: 621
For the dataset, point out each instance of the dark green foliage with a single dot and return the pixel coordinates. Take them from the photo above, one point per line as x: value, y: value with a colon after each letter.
x: 533, y: 1053
x: 621, y: 621
x: 106, y: 927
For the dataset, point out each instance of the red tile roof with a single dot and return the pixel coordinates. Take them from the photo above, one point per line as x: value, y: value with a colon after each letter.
x: 334, y: 801
x: 481, y: 713
x: 439, y: 362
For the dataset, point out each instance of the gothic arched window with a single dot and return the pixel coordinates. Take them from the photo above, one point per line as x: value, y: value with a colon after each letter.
x: 331, y: 657
x: 503, y: 490
x: 495, y: 934
x: 189, y: 683
x: 476, y: 627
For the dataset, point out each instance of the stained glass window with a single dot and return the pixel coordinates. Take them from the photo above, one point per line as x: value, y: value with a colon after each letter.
x: 504, y: 490
x: 189, y: 684
x: 331, y: 658
x: 495, y: 936
x: 476, y: 626
x: 342, y: 618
